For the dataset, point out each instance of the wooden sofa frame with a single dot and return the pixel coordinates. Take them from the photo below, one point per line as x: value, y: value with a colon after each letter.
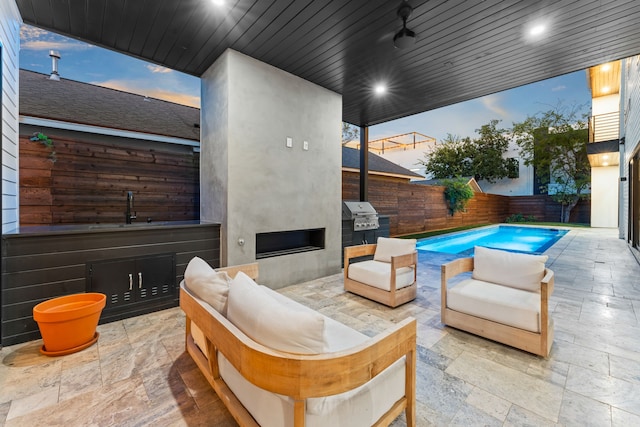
x: 297, y: 376
x: 394, y: 297
x: 532, y: 342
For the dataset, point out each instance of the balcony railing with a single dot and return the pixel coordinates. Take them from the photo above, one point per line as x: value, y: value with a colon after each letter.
x: 604, y: 127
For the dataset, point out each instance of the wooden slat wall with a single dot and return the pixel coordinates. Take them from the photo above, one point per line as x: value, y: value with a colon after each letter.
x: 413, y: 208
x: 36, y: 267
x: 89, y: 181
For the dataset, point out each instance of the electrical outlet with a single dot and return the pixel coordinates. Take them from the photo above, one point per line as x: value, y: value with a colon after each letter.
x: 289, y: 142
x: 305, y: 145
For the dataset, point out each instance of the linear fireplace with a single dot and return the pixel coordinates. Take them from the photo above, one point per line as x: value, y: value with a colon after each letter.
x: 288, y: 242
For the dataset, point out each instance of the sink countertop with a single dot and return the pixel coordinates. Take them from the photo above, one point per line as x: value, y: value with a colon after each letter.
x: 84, y: 228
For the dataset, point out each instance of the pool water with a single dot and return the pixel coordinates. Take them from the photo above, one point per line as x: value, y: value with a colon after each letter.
x: 512, y: 238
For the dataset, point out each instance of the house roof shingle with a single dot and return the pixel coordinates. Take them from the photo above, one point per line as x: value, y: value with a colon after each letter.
x: 83, y: 103
x: 351, y: 160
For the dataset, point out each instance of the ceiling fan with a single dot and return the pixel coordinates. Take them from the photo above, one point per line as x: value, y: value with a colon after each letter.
x: 404, y: 38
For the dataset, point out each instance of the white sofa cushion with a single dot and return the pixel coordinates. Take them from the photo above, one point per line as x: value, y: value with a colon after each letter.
x: 207, y: 284
x: 272, y: 324
x: 502, y: 304
x: 359, y: 407
x: 388, y: 247
x: 522, y: 271
x: 378, y: 274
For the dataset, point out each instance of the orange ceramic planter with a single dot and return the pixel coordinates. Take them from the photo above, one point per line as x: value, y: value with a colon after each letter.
x: 68, y: 324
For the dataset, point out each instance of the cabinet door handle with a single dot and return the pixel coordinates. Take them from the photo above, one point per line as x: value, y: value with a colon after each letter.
x: 130, y: 281
x: 140, y: 280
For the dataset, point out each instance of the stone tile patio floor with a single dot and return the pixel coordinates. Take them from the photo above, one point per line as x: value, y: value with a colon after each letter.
x: 139, y: 374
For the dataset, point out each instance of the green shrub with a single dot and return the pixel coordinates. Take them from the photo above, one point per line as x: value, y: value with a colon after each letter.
x: 457, y: 193
x: 520, y: 218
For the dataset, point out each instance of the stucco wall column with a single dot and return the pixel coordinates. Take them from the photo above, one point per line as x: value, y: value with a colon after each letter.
x: 270, y: 161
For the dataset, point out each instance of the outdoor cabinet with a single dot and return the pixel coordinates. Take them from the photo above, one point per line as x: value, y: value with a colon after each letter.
x: 131, y: 282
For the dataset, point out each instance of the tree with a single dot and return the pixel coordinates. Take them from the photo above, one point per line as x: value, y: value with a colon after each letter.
x: 489, y: 162
x: 349, y: 133
x: 556, y: 141
x: 449, y: 159
x: 481, y: 158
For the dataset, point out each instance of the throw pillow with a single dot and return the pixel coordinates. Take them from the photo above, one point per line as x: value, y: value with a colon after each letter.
x: 207, y: 284
x: 270, y: 323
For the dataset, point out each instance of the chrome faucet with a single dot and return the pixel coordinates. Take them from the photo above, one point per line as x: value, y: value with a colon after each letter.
x: 128, y: 216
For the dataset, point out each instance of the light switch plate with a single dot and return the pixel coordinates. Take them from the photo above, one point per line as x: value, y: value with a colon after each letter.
x: 305, y: 145
x: 289, y: 142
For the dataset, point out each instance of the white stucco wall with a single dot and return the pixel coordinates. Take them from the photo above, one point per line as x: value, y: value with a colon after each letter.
x: 10, y: 21
x: 521, y: 186
x: 251, y: 182
x: 605, y: 104
x: 604, y: 196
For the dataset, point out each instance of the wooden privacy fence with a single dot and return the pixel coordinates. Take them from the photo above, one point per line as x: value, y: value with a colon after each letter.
x: 89, y: 181
x: 414, y: 208
x: 543, y: 208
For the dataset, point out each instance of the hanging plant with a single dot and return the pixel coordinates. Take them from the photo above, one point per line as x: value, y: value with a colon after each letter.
x: 457, y: 193
x: 47, y: 142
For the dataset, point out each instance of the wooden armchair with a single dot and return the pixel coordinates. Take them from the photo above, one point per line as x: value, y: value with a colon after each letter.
x: 390, y: 277
x: 506, y: 299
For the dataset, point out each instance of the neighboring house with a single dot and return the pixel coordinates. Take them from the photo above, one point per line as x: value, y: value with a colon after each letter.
x: 107, y: 143
x: 378, y: 167
x: 603, y: 147
x: 523, y: 185
x: 406, y: 150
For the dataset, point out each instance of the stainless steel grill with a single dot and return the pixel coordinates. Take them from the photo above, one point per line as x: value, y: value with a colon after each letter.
x: 363, y: 215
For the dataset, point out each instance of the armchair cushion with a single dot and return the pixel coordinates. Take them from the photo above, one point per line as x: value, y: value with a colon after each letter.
x: 502, y: 304
x: 378, y: 274
x: 388, y: 247
x: 207, y: 284
x: 272, y: 324
x: 522, y: 271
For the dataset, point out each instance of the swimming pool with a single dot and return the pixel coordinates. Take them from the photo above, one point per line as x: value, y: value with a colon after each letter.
x: 512, y: 238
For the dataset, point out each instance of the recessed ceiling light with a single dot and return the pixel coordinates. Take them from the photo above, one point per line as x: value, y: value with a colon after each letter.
x: 605, y: 164
x: 605, y: 67
x: 380, y: 89
x: 605, y: 157
x: 605, y: 89
x: 536, y: 30
x: 218, y: 3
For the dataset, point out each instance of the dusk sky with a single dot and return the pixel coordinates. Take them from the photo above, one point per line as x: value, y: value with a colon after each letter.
x: 91, y: 64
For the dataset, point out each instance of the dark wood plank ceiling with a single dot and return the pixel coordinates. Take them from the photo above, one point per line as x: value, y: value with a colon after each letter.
x: 465, y: 49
